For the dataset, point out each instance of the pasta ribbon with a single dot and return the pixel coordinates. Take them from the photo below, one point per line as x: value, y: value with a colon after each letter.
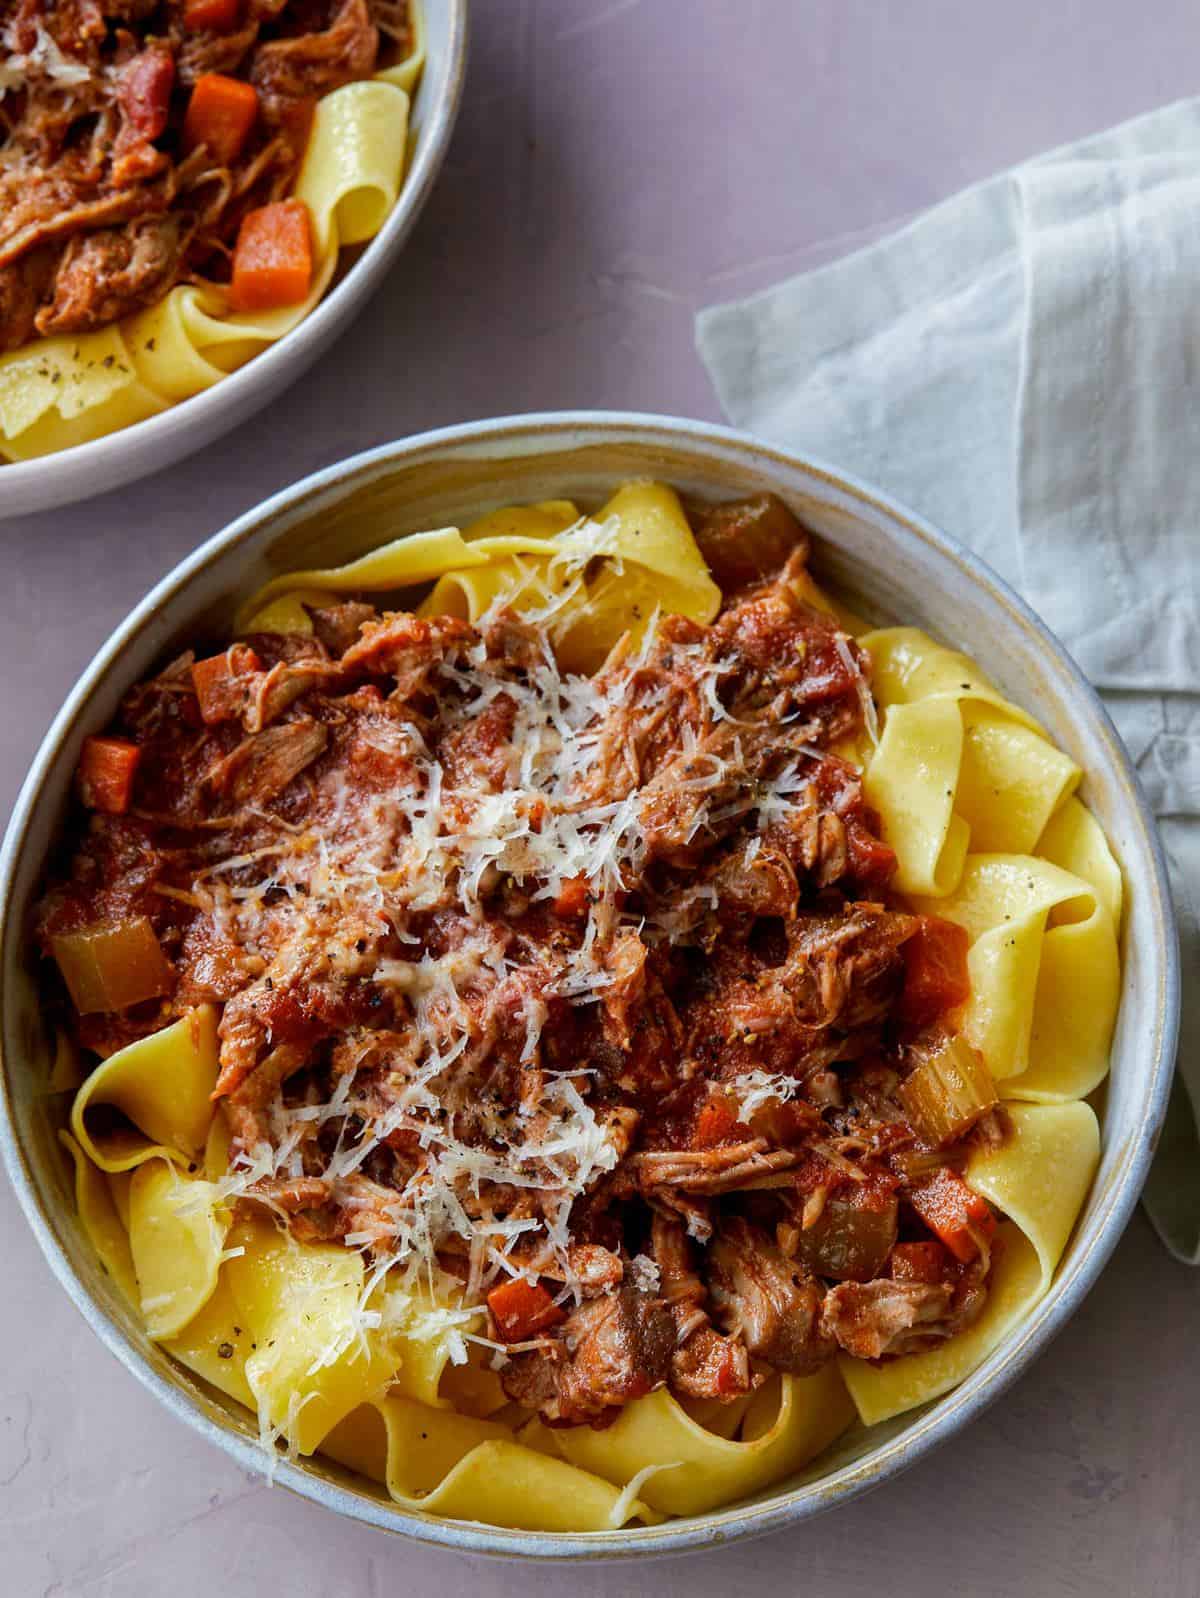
x: 404, y: 563
x: 959, y: 768
x: 908, y: 666
x: 1073, y: 840
x: 647, y: 559
x: 312, y: 1360
x: 791, y: 1421
x: 177, y: 1230
x: 532, y: 557
x: 101, y: 1221
x: 454, y: 1465
x: 428, y: 1332
x: 1039, y: 1177
x: 215, y: 1344
x: 912, y: 781
x: 1045, y: 974
x: 162, y: 1084
x: 1011, y: 782
x: 69, y: 389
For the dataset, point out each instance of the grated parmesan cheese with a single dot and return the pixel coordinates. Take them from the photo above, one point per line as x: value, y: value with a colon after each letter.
x: 755, y: 1090
x: 861, y: 687
x: 45, y: 60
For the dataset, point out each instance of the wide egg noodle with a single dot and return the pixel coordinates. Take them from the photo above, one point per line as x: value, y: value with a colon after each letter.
x: 215, y: 1345
x: 70, y: 389
x: 1045, y: 974
x: 313, y: 1360
x: 177, y: 1229
x: 441, y: 1463
x: 1074, y: 840
x: 647, y: 561
x: 162, y: 1085
x: 959, y: 768
x: 911, y: 781
x: 797, y: 1419
x: 427, y: 1335
x: 1011, y: 782
x: 101, y: 1220
x: 530, y: 557
x: 404, y: 563
x: 513, y: 543
x: 907, y: 665
x: 1039, y: 1178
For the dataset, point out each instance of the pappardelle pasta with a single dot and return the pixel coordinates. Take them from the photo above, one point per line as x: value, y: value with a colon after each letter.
x: 178, y: 179
x: 572, y: 1047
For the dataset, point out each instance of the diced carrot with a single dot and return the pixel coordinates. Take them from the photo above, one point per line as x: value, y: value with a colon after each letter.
x: 935, y: 970
x: 272, y: 263
x: 954, y: 1213
x: 220, y: 682
x: 107, y: 767
x: 212, y: 16
x: 221, y: 115
x: 111, y: 968
x: 574, y: 898
x: 521, y: 1309
x: 716, y: 1122
x: 919, y: 1262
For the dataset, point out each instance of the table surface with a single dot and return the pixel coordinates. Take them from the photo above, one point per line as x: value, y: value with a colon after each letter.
x: 619, y: 163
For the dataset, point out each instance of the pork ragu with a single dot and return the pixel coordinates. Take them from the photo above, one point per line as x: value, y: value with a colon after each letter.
x: 136, y: 137
x: 590, y: 990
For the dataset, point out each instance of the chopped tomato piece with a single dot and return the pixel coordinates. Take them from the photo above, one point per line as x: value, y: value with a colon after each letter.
x: 145, y: 93
x: 521, y: 1309
x: 272, y: 263
x: 107, y: 767
x: 727, y: 1377
x: 919, y: 1262
x: 955, y: 1213
x: 212, y: 16
x: 110, y: 968
x: 935, y: 970
x: 574, y: 899
x: 221, y: 115
x: 872, y: 862
x: 220, y: 682
x: 716, y: 1122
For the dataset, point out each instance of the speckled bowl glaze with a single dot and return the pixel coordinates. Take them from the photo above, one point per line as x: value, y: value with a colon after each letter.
x: 106, y: 463
x: 892, y: 567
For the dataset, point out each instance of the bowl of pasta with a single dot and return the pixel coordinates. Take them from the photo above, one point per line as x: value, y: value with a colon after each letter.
x: 578, y: 986
x: 196, y: 196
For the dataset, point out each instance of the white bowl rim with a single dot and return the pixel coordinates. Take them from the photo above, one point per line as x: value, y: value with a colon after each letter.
x: 945, y: 1416
x: 242, y: 390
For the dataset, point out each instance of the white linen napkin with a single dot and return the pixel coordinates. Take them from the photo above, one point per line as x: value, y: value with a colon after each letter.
x: 1022, y: 365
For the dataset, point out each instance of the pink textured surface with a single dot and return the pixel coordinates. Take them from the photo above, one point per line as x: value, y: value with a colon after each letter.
x: 619, y: 163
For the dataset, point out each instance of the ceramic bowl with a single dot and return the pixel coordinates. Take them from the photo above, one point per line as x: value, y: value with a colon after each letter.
x: 892, y: 567
x: 120, y: 458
